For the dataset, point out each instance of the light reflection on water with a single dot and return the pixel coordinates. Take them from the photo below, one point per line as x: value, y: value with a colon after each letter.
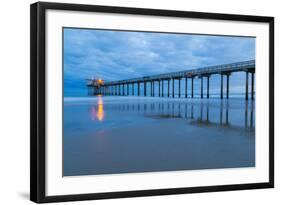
x: 196, y: 111
x: 108, y: 135
x: 97, y: 112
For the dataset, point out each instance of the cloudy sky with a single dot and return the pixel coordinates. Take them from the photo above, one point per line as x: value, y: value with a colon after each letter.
x: 116, y: 55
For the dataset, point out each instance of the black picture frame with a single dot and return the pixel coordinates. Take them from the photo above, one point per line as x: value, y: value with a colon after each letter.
x: 38, y: 101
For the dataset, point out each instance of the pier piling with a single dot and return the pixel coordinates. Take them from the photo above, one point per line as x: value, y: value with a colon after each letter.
x: 127, y: 88
x: 162, y: 88
x: 173, y: 91
x: 253, y: 85
x: 179, y: 88
x: 168, y: 87
x: 208, y: 86
x: 246, y: 87
x: 227, y: 86
x: 192, y: 87
x: 185, y: 87
x: 144, y: 88
x: 221, y: 86
x: 201, y: 86
x: 151, y: 88
x: 158, y: 88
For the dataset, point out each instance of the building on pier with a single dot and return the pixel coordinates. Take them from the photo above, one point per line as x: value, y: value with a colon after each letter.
x: 95, y: 86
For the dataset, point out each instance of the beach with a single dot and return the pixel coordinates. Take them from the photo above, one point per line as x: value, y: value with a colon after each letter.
x: 125, y: 134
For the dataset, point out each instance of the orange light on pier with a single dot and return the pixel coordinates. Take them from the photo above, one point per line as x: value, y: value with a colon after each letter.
x: 100, y: 81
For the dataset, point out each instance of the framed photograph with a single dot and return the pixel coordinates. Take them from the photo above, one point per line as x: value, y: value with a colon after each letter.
x: 129, y: 102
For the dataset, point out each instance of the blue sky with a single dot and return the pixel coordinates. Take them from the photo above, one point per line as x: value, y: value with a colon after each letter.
x: 116, y: 55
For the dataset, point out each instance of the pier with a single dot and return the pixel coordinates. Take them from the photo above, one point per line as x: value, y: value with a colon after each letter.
x: 127, y: 87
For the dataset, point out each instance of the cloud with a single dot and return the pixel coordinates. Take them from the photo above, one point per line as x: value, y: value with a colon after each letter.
x: 116, y: 55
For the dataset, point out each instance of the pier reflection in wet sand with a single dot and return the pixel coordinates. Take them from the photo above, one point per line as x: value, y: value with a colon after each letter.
x: 109, y: 135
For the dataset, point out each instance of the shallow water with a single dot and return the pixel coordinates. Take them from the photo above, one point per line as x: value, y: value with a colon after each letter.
x: 110, y: 135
